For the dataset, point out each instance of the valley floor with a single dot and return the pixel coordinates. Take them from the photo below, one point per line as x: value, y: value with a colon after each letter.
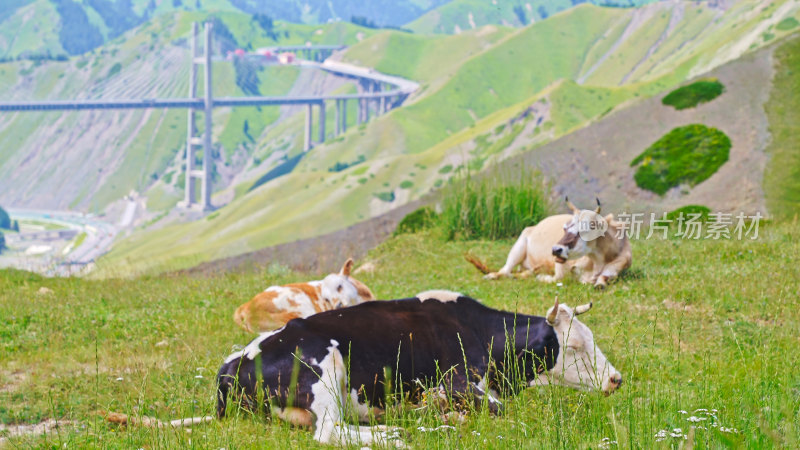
x: 704, y: 332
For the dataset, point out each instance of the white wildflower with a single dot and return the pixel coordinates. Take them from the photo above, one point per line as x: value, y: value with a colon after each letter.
x: 606, y: 443
x: 439, y: 428
x: 678, y: 433
x: 682, y: 412
x: 696, y: 419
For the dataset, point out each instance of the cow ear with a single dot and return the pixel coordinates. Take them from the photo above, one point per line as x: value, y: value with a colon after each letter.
x: 347, y: 267
x: 609, y: 217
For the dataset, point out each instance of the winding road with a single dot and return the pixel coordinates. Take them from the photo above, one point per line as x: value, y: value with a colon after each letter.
x: 99, y: 237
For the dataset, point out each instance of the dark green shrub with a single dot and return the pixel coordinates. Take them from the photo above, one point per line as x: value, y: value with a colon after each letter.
x: 690, y: 209
x: 418, y: 220
x: 5, y: 220
x: 787, y: 24
x: 115, y: 69
x: 688, y: 154
x: 277, y: 171
x: 693, y: 94
x: 406, y: 184
x: 340, y: 166
x: 385, y: 196
x: 493, y: 208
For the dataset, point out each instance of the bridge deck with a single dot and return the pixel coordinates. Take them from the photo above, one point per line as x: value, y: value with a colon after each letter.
x: 60, y: 105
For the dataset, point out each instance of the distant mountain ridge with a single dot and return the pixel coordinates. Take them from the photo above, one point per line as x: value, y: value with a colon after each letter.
x: 53, y: 28
x: 57, y: 28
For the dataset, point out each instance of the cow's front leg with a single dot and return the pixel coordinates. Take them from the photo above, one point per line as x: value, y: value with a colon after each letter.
x: 328, y: 406
x: 485, y: 395
x: 466, y: 393
x: 560, y: 271
x: 583, y: 268
x: 610, y: 271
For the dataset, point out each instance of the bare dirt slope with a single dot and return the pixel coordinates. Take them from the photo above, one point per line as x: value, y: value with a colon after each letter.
x: 595, y: 161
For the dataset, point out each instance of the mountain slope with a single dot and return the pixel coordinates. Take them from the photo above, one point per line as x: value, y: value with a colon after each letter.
x: 458, y: 15
x: 471, y: 114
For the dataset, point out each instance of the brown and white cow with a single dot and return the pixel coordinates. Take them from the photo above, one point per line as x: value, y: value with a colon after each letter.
x: 277, y: 305
x: 342, y: 365
x: 557, y: 245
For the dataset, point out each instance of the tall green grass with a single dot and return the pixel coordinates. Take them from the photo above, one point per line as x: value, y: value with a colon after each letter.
x: 493, y: 207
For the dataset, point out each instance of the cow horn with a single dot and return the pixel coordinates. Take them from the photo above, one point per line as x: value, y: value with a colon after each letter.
x: 551, y: 318
x: 571, y: 206
x: 348, y: 265
x: 583, y: 308
x: 598, y: 205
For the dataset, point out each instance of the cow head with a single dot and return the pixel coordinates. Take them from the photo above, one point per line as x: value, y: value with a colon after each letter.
x: 580, y: 363
x: 574, y: 244
x: 340, y: 289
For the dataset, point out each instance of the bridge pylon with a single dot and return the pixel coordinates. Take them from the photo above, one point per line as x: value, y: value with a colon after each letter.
x: 193, y: 141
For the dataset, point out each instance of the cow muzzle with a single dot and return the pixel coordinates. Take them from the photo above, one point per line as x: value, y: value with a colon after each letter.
x: 560, y: 253
x: 612, y: 383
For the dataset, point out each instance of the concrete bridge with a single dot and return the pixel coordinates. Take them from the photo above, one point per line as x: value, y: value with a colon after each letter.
x: 317, y: 53
x: 378, y: 92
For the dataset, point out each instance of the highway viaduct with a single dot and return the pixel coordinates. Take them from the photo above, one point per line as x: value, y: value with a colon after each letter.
x: 380, y: 92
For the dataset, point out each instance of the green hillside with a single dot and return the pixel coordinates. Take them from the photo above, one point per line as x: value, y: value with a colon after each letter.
x: 782, y: 177
x: 471, y: 111
x: 459, y: 15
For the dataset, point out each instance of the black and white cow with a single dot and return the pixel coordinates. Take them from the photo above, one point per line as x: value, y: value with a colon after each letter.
x: 315, y: 369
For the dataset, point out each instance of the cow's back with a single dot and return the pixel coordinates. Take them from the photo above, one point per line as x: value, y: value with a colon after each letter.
x: 408, y: 338
x: 276, y: 305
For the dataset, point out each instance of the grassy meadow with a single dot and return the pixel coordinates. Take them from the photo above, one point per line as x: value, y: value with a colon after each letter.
x: 782, y: 177
x: 693, y: 325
